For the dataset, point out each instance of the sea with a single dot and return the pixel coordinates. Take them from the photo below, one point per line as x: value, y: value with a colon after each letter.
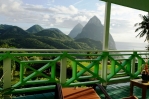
x: 131, y: 46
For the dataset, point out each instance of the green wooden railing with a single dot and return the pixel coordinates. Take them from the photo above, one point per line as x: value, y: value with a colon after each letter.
x: 87, y: 67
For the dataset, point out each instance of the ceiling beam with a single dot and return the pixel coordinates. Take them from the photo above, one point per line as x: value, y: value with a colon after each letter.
x: 136, y: 4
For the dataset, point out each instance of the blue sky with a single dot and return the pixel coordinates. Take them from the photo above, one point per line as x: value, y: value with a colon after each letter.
x: 80, y: 4
x: 65, y: 14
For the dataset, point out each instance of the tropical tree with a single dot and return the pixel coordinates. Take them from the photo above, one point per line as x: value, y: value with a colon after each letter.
x: 143, y: 27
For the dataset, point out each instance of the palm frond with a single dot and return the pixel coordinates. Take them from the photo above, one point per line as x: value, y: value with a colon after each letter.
x: 143, y: 26
x: 143, y: 33
x: 144, y: 18
x: 136, y: 24
x: 140, y: 28
x: 137, y: 29
x: 147, y: 36
x: 139, y: 33
x: 142, y: 23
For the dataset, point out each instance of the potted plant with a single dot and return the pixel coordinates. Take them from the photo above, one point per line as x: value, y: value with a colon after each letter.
x: 145, y: 72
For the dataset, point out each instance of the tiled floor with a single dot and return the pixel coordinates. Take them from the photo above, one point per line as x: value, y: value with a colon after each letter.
x: 116, y: 91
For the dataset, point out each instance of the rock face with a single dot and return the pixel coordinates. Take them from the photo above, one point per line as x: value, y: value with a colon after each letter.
x: 76, y: 30
x: 95, y: 30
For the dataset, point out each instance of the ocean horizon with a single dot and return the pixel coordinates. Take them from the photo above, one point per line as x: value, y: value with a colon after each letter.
x: 130, y: 46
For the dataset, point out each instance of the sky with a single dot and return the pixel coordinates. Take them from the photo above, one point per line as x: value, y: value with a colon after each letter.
x: 65, y: 14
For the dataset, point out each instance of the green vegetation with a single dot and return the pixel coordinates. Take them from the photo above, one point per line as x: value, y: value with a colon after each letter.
x: 52, y: 38
x: 92, y: 43
x: 143, y: 26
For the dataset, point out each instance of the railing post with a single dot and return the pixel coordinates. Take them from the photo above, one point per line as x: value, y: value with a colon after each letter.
x: 96, y: 68
x: 7, y: 75
x: 63, y: 70
x: 74, y: 70
x: 21, y: 72
x: 113, y: 66
x: 104, y: 67
x: 133, y: 66
x: 53, y: 71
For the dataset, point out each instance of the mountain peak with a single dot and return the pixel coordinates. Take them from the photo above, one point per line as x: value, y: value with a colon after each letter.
x: 95, y: 20
x: 76, y: 30
x: 79, y: 25
x: 95, y: 30
x: 35, y: 28
x: 95, y: 17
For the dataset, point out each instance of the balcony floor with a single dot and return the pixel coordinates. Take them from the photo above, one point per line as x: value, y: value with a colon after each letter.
x: 121, y: 90
x: 116, y: 91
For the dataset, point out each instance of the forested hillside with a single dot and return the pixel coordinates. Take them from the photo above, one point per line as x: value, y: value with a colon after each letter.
x: 53, y: 38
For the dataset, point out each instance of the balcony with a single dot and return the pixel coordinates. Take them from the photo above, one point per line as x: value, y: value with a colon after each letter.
x: 116, y: 91
x: 33, y: 70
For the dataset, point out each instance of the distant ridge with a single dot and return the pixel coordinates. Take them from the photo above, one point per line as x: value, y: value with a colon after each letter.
x: 51, y: 38
x: 53, y: 33
x: 4, y: 26
x: 13, y: 31
x: 34, y: 29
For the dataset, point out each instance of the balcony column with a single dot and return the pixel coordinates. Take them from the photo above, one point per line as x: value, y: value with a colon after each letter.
x: 6, y: 75
x: 63, y: 70
x: 106, y: 39
x: 106, y: 26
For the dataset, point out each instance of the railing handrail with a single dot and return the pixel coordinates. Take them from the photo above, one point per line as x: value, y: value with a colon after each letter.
x: 95, y: 66
x: 69, y: 50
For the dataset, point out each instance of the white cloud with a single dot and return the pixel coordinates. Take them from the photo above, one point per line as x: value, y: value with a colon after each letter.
x: 51, y: 25
x: 46, y: 16
x: 124, y: 30
x: 57, y: 15
x: 66, y: 17
x: 52, y: 9
x: 119, y: 26
x: 59, y: 19
x: 100, y: 7
x: 122, y: 23
x: 120, y: 10
x: 10, y: 5
x: 81, y: 18
x: 66, y: 10
x: 131, y: 37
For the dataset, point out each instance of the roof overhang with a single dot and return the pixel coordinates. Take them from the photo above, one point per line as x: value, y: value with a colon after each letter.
x: 136, y: 4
